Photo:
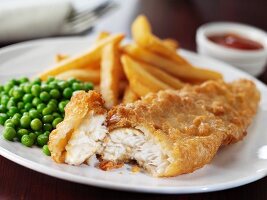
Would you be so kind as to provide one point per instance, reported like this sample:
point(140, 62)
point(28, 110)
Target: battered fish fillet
point(167, 133)
point(80, 135)
point(176, 132)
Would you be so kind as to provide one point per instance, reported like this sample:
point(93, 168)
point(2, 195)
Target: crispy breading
point(191, 124)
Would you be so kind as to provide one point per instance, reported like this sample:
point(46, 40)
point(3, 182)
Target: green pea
point(3, 109)
point(20, 105)
point(27, 98)
point(12, 111)
point(36, 101)
point(56, 115)
point(52, 106)
point(61, 106)
point(11, 103)
point(33, 136)
point(36, 90)
point(15, 121)
point(42, 140)
point(22, 132)
point(34, 114)
point(8, 121)
point(45, 87)
point(38, 133)
point(8, 87)
point(47, 127)
point(63, 84)
point(1, 88)
point(88, 86)
point(18, 115)
point(27, 87)
point(23, 80)
point(72, 80)
point(9, 133)
point(67, 93)
point(45, 96)
point(17, 93)
point(46, 151)
point(4, 100)
point(13, 82)
point(48, 118)
point(10, 124)
point(27, 140)
point(25, 121)
point(77, 86)
point(55, 93)
point(47, 133)
point(56, 122)
point(28, 106)
point(48, 110)
point(3, 118)
point(53, 101)
point(36, 124)
point(53, 85)
point(37, 81)
point(50, 79)
point(40, 107)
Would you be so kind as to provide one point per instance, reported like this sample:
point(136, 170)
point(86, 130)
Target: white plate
point(233, 166)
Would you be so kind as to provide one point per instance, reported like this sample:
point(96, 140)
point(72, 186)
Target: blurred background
point(28, 19)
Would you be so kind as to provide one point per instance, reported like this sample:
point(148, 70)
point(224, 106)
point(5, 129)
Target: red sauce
point(235, 41)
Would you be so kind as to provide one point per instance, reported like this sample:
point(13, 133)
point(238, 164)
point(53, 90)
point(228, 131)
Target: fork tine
point(95, 11)
point(85, 20)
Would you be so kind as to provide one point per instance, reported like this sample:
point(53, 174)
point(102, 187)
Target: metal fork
point(79, 22)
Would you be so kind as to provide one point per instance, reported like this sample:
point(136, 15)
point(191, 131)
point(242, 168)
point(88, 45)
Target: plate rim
point(120, 186)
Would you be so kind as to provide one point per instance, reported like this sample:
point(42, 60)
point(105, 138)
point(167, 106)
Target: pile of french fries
point(125, 73)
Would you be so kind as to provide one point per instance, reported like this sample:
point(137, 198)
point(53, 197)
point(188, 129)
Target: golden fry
point(185, 73)
point(141, 81)
point(102, 35)
point(59, 57)
point(129, 96)
point(110, 75)
point(85, 59)
point(87, 75)
point(171, 43)
point(142, 34)
point(163, 76)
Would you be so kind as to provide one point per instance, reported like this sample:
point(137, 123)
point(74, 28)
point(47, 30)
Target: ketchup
point(235, 41)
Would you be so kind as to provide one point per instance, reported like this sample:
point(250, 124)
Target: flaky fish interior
point(127, 144)
point(80, 135)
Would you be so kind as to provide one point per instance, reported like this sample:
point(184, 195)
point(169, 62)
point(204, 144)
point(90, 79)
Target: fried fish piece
point(79, 136)
point(175, 132)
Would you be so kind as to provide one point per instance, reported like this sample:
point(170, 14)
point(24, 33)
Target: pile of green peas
point(30, 110)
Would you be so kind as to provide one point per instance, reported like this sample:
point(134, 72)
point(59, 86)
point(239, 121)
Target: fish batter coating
point(175, 132)
point(79, 135)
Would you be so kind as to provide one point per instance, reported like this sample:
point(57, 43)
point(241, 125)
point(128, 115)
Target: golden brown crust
point(109, 165)
point(76, 110)
point(192, 123)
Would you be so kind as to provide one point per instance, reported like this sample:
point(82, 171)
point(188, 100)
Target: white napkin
point(20, 20)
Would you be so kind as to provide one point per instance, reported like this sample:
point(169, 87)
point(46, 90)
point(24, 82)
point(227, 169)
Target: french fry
point(85, 59)
point(129, 96)
point(102, 35)
point(141, 81)
point(171, 43)
point(87, 75)
point(163, 76)
point(110, 74)
point(59, 57)
point(184, 73)
point(142, 34)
